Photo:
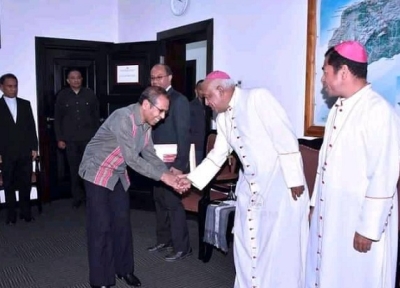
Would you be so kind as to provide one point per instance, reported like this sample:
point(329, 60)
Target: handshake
point(177, 181)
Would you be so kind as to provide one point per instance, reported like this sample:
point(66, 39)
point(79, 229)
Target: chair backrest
point(310, 165)
point(229, 170)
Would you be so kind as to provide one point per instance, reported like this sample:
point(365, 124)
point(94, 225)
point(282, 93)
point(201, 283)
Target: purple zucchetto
point(217, 75)
point(352, 50)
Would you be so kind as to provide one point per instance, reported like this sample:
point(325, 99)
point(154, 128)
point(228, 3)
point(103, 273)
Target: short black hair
point(336, 60)
point(151, 94)
point(7, 76)
point(199, 82)
point(73, 70)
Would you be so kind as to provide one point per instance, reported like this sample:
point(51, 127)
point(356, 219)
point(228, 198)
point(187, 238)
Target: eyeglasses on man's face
point(157, 78)
point(159, 110)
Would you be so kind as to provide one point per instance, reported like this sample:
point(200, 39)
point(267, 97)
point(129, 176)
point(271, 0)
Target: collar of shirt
point(73, 91)
point(9, 100)
point(349, 102)
point(138, 118)
point(169, 87)
point(234, 98)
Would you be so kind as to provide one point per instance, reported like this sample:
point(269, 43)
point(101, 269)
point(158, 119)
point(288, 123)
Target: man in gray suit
point(172, 230)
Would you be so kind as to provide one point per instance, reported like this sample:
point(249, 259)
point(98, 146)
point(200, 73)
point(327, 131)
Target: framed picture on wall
point(374, 25)
point(127, 74)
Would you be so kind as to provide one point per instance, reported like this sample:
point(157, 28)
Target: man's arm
point(210, 166)
point(33, 139)
point(58, 117)
point(382, 171)
point(279, 128)
point(181, 121)
point(128, 145)
point(96, 110)
point(149, 154)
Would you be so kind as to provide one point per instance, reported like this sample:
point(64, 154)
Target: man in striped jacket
point(123, 140)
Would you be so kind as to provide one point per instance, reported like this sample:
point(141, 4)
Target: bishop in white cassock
point(353, 237)
point(271, 226)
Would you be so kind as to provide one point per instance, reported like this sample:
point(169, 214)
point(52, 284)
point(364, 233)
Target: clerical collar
point(354, 98)
point(167, 89)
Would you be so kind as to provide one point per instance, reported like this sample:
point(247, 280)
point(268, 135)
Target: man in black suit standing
point(198, 123)
point(172, 230)
point(76, 120)
point(18, 145)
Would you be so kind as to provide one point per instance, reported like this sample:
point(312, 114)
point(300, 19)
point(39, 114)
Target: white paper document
point(167, 153)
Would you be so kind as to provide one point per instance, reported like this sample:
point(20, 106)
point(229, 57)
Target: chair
point(36, 191)
point(217, 189)
point(310, 165)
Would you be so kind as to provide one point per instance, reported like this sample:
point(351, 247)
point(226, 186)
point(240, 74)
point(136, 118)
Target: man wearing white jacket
point(270, 229)
point(353, 236)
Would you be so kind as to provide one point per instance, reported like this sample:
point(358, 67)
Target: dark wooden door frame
point(193, 32)
point(198, 31)
point(42, 45)
point(190, 83)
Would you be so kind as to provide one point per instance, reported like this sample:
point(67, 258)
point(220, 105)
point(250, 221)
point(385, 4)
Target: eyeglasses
point(158, 78)
point(159, 110)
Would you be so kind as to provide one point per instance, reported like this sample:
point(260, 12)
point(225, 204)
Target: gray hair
point(228, 83)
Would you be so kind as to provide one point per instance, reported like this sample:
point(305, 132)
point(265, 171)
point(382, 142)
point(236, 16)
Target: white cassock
point(271, 229)
point(355, 191)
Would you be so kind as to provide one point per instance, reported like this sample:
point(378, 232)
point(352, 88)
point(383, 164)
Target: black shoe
point(100, 286)
point(11, 218)
point(27, 219)
point(160, 247)
point(11, 222)
point(130, 279)
point(175, 256)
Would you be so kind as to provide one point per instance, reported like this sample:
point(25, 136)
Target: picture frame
point(127, 74)
point(370, 23)
point(310, 128)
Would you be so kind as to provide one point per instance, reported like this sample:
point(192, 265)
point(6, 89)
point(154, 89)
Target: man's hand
point(175, 171)
point(61, 145)
point(361, 243)
point(297, 192)
point(184, 183)
point(170, 180)
point(34, 154)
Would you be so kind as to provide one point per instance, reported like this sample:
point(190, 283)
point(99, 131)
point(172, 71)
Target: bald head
point(217, 93)
point(161, 75)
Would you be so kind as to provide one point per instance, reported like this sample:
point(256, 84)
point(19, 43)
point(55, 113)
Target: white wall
point(261, 42)
point(22, 20)
point(198, 51)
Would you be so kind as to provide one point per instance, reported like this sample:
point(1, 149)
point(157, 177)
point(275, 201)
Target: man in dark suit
point(198, 123)
point(172, 230)
point(76, 120)
point(18, 145)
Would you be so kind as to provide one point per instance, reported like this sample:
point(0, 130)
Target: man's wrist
point(163, 176)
